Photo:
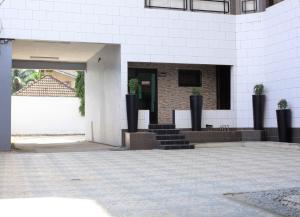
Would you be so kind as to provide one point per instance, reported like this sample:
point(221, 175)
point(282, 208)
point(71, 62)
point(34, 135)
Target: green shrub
point(196, 91)
point(80, 89)
point(282, 104)
point(259, 89)
point(133, 85)
point(22, 77)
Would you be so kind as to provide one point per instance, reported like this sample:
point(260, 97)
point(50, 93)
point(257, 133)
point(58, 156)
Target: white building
point(113, 40)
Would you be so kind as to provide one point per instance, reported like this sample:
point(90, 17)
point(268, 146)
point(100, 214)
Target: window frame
point(184, 6)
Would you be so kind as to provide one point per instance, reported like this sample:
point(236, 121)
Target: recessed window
point(189, 78)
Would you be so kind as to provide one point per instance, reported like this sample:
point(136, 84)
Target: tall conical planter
point(258, 103)
point(284, 125)
point(132, 112)
point(196, 103)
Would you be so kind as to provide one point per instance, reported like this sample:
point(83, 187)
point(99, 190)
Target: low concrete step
point(161, 126)
point(170, 137)
point(174, 142)
point(170, 147)
point(164, 131)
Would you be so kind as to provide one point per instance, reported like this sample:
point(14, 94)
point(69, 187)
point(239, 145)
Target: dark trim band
point(30, 64)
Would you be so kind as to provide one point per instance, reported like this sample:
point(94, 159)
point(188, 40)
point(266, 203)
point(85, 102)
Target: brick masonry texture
point(171, 96)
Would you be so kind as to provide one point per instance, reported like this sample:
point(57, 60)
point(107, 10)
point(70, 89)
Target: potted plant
point(196, 103)
point(258, 103)
point(283, 121)
point(132, 106)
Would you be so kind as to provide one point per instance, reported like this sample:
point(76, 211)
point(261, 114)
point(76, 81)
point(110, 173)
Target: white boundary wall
point(46, 116)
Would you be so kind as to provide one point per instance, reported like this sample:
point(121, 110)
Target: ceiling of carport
point(54, 51)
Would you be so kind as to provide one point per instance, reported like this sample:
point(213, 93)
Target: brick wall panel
point(171, 96)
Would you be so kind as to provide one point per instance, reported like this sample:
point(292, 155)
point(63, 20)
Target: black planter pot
point(196, 112)
point(258, 103)
point(284, 125)
point(132, 112)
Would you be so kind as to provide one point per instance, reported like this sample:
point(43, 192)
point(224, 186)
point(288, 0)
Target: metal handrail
point(226, 4)
point(149, 5)
point(244, 6)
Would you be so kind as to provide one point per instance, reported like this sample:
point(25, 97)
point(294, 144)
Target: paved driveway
point(145, 183)
point(53, 144)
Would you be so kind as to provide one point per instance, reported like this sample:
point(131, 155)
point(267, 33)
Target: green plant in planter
point(196, 91)
point(282, 104)
point(259, 89)
point(133, 85)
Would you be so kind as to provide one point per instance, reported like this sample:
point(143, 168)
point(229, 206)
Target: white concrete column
point(5, 94)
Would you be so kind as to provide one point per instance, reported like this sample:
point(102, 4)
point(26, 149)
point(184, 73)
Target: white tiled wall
point(152, 34)
point(145, 35)
point(268, 52)
point(282, 59)
point(217, 118)
point(102, 97)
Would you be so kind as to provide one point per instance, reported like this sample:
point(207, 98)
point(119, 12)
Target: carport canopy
point(32, 54)
point(52, 55)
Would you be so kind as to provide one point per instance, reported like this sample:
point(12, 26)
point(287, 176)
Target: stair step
point(164, 131)
point(170, 137)
point(174, 142)
point(170, 147)
point(161, 126)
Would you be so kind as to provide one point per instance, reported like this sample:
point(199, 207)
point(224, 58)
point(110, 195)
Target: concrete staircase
point(168, 137)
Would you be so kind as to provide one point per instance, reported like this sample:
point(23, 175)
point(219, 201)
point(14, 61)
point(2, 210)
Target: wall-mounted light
point(44, 57)
point(162, 74)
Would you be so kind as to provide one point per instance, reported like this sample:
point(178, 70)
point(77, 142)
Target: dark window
point(189, 78)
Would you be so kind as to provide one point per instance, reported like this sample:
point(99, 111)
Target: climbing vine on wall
point(79, 87)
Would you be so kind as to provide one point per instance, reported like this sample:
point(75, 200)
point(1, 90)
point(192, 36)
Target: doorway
point(223, 77)
point(147, 91)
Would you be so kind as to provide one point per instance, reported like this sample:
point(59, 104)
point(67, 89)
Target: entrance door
point(223, 87)
point(147, 91)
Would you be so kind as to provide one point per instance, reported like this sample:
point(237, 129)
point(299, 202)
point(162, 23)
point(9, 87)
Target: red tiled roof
point(47, 86)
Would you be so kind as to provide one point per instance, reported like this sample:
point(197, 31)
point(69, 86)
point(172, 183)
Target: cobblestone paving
point(147, 183)
point(282, 201)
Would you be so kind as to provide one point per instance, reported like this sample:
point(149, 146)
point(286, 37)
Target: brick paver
point(146, 183)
